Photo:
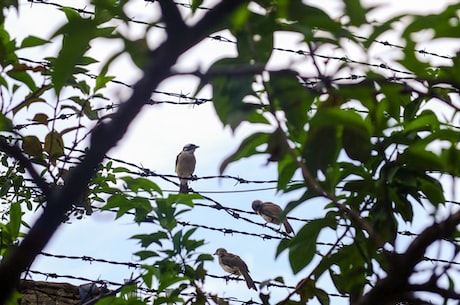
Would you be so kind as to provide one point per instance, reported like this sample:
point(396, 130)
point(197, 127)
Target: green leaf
point(33, 41)
point(247, 148)
point(321, 148)
point(32, 146)
point(15, 220)
point(286, 169)
point(77, 34)
point(86, 60)
point(41, 118)
point(444, 24)
point(352, 275)
point(419, 158)
point(195, 5)
point(357, 143)
point(85, 106)
point(356, 12)
point(121, 169)
point(426, 121)
point(381, 28)
point(147, 239)
point(119, 202)
point(145, 254)
point(5, 123)
point(254, 35)
point(138, 50)
point(204, 257)
point(323, 139)
point(7, 45)
point(432, 189)
point(286, 93)
point(322, 296)
point(186, 199)
point(101, 81)
point(23, 77)
point(306, 291)
point(382, 217)
point(54, 146)
point(141, 183)
point(307, 19)
point(302, 247)
point(229, 91)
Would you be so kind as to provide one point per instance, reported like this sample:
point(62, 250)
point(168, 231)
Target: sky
point(159, 133)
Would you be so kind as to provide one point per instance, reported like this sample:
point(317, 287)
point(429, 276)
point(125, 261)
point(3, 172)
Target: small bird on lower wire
point(233, 264)
point(185, 166)
point(271, 213)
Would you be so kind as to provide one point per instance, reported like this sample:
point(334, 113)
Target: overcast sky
point(159, 133)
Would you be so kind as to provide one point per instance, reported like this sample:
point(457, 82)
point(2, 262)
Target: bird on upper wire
point(271, 213)
point(233, 264)
point(185, 166)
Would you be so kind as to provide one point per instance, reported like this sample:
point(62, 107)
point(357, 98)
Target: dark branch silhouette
point(103, 138)
point(396, 283)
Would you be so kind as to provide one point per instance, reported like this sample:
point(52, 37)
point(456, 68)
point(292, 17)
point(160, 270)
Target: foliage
point(369, 146)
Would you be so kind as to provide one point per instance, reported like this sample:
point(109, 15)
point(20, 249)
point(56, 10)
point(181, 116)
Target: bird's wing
point(271, 209)
point(271, 212)
point(177, 161)
point(288, 226)
point(234, 262)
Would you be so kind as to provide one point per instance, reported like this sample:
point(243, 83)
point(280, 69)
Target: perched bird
point(185, 165)
point(271, 213)
point(233, 264)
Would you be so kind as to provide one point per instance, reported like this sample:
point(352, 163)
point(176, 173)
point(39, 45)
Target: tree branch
point(103, 138)
point(175, 26)
point(402, 265)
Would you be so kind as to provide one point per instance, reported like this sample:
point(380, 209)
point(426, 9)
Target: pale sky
point(158, 134)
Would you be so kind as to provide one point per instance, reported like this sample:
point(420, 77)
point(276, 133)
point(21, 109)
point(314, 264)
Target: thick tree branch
point(402, 266)
point(175, 26)
point(103, 138)
point(434, 288)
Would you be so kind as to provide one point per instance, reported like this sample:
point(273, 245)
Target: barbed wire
point(233, 212)
point(267, 283)
point(189, 6)
point(53, 275)
point(197, 101)
point(420, 51)
point(90, 260)
point(150, 292)
point(345, 59)
point(72, 277)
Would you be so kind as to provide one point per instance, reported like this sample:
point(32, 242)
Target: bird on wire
point(233, 264)
point(271, 213)
point(185, 166)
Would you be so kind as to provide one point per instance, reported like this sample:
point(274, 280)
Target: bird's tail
point(288, 227)
point(183, 188)
point(249, 281)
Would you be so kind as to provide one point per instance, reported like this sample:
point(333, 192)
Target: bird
point(185, 166)
point(233, 264)
point(271, 213)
